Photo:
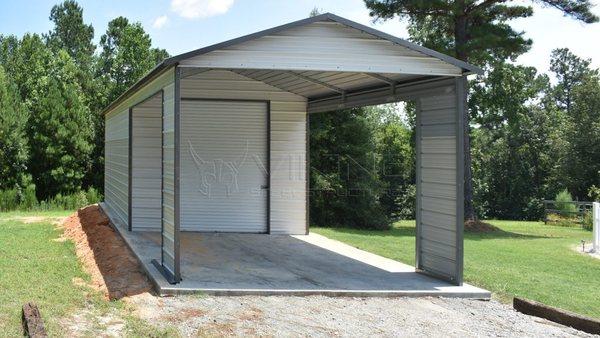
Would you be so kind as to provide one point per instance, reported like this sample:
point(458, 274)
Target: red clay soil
point(114, 269)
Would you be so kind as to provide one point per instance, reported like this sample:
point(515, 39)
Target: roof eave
point(174, 60)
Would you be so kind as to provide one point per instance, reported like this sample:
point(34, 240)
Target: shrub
point(13, 199)
point(9, 199)
point(563, 205)
point(587, 222)
point(594, 193)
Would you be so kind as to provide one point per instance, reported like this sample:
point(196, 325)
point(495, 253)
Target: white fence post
point(596, 216)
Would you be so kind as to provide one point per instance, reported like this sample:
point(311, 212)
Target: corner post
point(177, 160)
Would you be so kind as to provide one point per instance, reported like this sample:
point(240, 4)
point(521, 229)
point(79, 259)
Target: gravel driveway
point(324, 316)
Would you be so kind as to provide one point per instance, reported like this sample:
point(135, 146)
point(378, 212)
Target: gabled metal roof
point(173, 61)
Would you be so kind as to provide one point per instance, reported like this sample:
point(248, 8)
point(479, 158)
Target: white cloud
point(160, 21)
point(192, 9)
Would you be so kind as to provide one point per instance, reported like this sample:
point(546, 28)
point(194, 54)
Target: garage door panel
point(223, 166)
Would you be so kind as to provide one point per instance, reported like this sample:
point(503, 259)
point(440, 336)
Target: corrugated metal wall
point(116, 163)
point(224, 166)
point(439, 191)
point(288, 143)
point(168, 190)
point(146, 164)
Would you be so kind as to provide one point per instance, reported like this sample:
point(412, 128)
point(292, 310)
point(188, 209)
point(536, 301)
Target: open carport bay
point(258, 264)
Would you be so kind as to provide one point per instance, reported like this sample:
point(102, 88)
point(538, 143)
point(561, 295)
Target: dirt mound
point(479, 226)
point(114, 269)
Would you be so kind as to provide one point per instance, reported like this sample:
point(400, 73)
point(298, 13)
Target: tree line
point(53, 87)
point(530, 137)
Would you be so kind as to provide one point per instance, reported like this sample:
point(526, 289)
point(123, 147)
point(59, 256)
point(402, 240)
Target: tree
point(516, 144)
point(395, 148)
point(71, 33)
point(473, 31)
point(582, 162)
point(61, 132)
point(126, 56)
point(14, 149)
point(344, 177)
point(59, 128)
point(570, 71)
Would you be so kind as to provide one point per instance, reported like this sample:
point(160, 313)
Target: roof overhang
point(174, 61)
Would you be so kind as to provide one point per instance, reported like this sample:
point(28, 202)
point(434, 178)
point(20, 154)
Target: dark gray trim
point(222, 100)
point(162, 174)
point(461, 97)
point(418, 170)
point(165, 64)
point(165, 272)
point(177, 190)
point(157, 71)
point(268, 164)
point(130, 172)
point(269, 167)
point(307, 174)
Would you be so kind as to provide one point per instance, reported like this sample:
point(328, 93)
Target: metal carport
point(318, 64)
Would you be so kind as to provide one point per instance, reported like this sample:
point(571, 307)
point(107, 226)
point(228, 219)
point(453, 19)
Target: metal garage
point(215, 140)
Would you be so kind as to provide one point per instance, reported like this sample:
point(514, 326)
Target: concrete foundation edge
point(172, 291)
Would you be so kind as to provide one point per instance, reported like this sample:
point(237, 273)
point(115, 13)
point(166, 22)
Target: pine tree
point(14, 149)
point(61, 132)
point(475, 31)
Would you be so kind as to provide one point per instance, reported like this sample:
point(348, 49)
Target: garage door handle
point(264, 186)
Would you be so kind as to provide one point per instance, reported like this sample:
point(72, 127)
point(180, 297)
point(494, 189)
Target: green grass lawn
point(36, 266)
point(525, 259)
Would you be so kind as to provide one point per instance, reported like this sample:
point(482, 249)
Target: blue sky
point(183, 25)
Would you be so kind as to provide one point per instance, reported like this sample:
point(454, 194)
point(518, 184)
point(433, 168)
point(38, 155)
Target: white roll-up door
point(224, 178)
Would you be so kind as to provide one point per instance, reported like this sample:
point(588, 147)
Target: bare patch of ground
point(113, 268)
point(38, 219)
point(589, 250)
point(117, 274)
point(325, 316)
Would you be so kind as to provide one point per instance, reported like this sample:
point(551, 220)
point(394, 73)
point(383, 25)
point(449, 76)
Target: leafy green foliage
point(71, 34)
point(126, 56)
point(582, 160)
point(14, 146)
point(26, 200)
point(395, 147)
point(52, 93)
point(345, 185)
point(474, 31)
point(514, 145)
point(563, 202)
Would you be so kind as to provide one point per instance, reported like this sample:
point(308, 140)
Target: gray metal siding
point(224, 165)
point(116, 163)
point(324, 46)
point(439, 232)
point(168, 192)
point(146, 164)
point(287, 140)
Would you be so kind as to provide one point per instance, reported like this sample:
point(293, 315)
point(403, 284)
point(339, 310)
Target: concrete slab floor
point(258, 264)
